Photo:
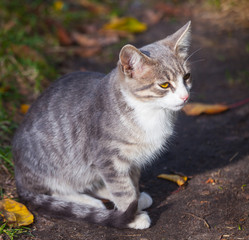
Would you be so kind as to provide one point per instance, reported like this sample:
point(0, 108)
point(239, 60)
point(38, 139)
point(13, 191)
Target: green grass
point(25, 65)
point(13, 233)
point(215, 3)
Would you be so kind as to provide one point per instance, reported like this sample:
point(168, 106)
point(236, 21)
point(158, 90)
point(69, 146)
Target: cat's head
point(158, 73)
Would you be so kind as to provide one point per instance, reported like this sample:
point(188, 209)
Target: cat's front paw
point(144, 201)
point(142, 221)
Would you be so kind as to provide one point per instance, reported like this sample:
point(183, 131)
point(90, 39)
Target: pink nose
point(185, 98)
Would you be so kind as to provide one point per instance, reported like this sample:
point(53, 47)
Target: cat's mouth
point(178, 106)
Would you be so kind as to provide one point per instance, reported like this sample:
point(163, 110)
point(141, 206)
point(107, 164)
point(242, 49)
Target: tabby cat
point(88, 135)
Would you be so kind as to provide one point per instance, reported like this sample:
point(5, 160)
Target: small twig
point(5, 169)
point(240, 103)
point(234, 156)
point(202, 219)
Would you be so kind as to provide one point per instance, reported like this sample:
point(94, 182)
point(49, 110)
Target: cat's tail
point(56, 207)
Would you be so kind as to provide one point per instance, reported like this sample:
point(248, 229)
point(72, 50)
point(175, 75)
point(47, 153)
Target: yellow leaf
point(4, 89)
point(126, 24)
point(15, 213)
point(58, 5)
point(24, 108)
point(194, 109)
point(179, 180)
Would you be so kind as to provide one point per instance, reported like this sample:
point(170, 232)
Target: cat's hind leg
point(144, 201)
point(82, 199)
point(103, 193)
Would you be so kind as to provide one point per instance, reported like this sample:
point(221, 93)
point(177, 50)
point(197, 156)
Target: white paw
point(144, 201)
point(142, 221)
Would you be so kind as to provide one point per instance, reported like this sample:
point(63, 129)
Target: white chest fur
point(156, 125)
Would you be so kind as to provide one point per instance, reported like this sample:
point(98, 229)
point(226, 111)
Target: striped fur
point(88, 135)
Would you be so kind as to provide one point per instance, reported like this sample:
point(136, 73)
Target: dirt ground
point(214, 148)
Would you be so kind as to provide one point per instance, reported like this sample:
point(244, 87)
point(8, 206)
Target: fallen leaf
point(94, 7)
point(194, 109)
point(204, 202)
point(90, 28)
point(151, 17)
point(15, 213)
point(85, 40)
point(58, 5)
point(126, 24)
point(210, 180)
point(24, 108)
point(107, 39)
point(63, 36)
point(4, 89)
point(118, 33)
point(10, 24)
point(87, 51)
point(179, 180)
point(168, 9)
point(95, 40)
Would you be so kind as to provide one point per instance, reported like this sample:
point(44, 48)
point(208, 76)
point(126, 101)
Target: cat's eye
point(186, 76)
point(164, 85)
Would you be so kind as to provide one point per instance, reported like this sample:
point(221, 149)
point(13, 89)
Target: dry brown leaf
point(168, 9)
point(63, 36)
point(179, 180)
point(89, 28)
point(96, 40)
point(87, 51)
point(94, 7)
point(194, 109)
point(15, 213)
point(10, 24)
point(151, 17)
point(85, 40)
point(107, 39)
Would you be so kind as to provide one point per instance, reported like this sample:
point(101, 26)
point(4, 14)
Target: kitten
point(88, 135)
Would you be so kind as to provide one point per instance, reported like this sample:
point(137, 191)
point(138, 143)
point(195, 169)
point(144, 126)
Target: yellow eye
point(164, 85)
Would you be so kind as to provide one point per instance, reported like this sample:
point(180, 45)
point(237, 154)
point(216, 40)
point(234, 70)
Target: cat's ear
point(134, 63)
point(180, 40)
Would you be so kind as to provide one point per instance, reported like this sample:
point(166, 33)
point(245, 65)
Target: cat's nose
point(185, 97)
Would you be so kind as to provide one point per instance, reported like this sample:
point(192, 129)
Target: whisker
point(198, 60)
point(192, 54)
